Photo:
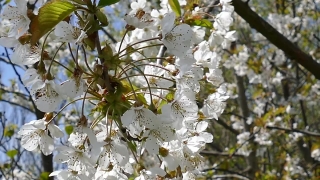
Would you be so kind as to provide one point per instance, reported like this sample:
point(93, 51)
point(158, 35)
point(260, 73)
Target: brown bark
point(245, 112)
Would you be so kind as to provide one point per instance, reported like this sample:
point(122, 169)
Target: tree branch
point(24, 96)
point(216, 153)
point(276, 38)
point(225, 125)
point(287, 130)
point(233, 173)
point(245, 112)
point(16, 104)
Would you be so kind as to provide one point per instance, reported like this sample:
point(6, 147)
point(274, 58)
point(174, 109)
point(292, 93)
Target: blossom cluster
point(145, 121)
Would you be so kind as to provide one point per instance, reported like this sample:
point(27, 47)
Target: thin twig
point(216, 153)
point(287, 130)
point(16, 104)
point(225, 125)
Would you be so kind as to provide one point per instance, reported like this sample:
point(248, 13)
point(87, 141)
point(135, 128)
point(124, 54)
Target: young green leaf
point(68, 129)
point(9, 130)
point(102, 18)
point(12, 153)
point(175, 6)
point(49, 16)
point(200, 22)
point(44, 176)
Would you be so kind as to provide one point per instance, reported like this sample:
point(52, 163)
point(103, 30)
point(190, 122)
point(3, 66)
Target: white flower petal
point(72, 89)
point(167, 23)
point(55, 173)
point(30, 142)
point(55, 131)
point(151, 145)
point(60, 158)
point(201, 126)
point(46, 144)
point(156, 171)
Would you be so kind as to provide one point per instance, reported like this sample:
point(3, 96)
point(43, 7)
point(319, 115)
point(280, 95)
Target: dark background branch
point(287, 130)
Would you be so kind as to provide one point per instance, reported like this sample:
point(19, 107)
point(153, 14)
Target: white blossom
point(35, 134)
point(17, 15)
point(65, 32)
point(176, 38)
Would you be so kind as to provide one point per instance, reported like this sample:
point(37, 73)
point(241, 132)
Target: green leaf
point(12, 153)
point(68, 129)
point(128, 89)
point(90, 43)
point(162, 103)
point(7, 2)
point(200, 22)
point(142, 99)
point(103, 3)
point(175, 6)
point(9, 130)
point(232, 150)
point(44, 176)
point(49, 16)
point(102, 18)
